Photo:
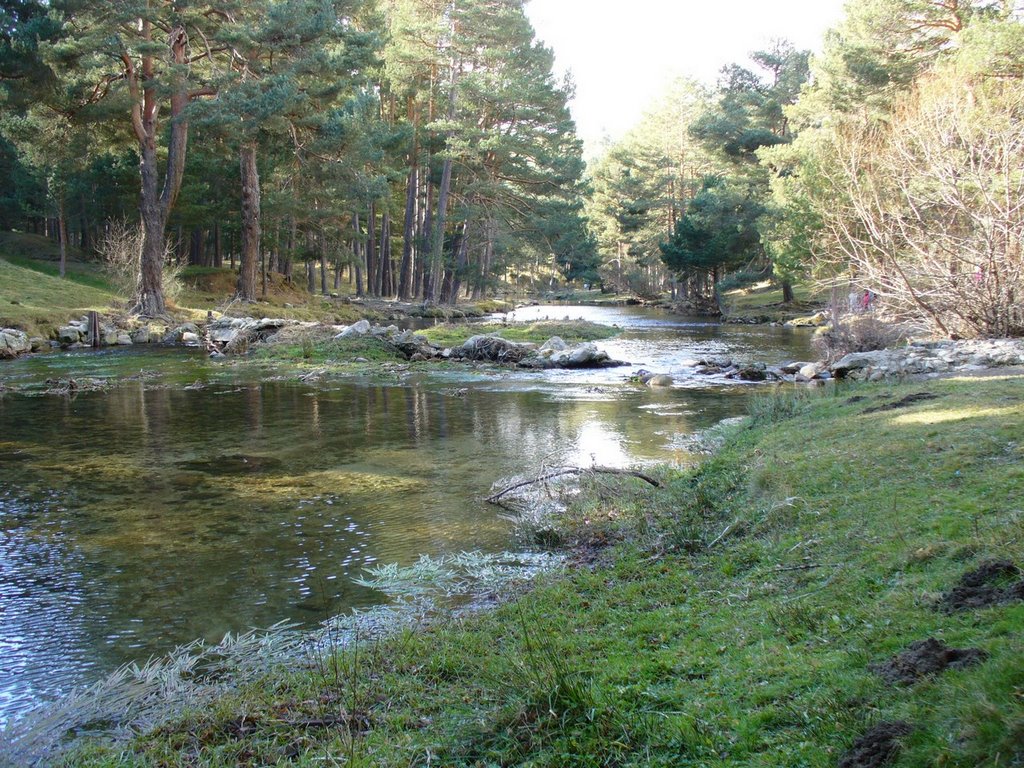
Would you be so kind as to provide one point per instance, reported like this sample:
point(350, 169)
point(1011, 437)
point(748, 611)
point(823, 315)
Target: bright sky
point(623, 53)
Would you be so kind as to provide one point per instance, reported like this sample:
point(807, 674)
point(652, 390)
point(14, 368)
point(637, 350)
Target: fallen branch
point(495, 498)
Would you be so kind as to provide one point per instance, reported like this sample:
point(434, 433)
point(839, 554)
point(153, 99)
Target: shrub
point(120, 249)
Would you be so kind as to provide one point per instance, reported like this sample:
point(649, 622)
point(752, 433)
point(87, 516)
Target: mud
point(991, 583)
point(878, 747)
point(925, 658)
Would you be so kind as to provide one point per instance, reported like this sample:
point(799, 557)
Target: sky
point(622, 54)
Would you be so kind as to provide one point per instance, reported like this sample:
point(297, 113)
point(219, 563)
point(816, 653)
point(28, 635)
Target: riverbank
point(752, 611)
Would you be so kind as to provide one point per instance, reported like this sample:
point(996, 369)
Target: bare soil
point(925, 658)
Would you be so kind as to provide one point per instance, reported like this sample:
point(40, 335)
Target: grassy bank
point(35, 299)
point(730, 618)
point(762, 302)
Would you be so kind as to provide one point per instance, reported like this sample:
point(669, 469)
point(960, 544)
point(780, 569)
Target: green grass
point(33, 299)
point(450, 335)
point(763, 301)
point(726, 619)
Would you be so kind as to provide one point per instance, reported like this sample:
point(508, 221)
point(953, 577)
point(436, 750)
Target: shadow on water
point(144, 516)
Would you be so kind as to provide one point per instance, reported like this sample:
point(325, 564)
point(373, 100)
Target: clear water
point(141, 517)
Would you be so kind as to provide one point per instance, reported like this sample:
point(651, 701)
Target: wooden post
point(94, 328)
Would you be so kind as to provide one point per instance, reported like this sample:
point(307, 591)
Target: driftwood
point(561, 472)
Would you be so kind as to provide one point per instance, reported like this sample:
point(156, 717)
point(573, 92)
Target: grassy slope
point(726, 620)
point(764, 302)
point(33, 298)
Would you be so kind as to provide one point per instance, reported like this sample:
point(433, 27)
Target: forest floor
point(840, 584)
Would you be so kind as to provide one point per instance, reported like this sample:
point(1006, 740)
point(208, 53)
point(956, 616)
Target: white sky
point(623, 53)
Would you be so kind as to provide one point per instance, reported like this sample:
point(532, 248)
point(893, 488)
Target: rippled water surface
point(143, 516)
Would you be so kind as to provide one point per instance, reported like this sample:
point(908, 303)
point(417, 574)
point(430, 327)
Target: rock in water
point(13, 343)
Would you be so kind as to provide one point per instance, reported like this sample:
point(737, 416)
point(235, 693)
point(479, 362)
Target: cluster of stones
point(554, 353)
point(755, 372)
point(929, 358)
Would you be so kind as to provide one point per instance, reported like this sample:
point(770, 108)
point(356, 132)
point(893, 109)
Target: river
point(140, 517)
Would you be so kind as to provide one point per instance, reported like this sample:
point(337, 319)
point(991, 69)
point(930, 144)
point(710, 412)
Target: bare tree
point(931, 217)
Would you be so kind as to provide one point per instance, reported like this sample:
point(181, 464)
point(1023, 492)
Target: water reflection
point(143, 517)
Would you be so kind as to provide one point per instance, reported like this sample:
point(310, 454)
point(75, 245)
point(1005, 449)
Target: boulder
point(410, 345)
point(554, 344)
point(13, 343)
point(39, 344)
point(749, 373)
point(660, 380)
point(124, 339)
point(360, 328)
point(809, 371)
point(69, 334)
point(141, 335)
point(857, 361)
point(190, 339)
point(817, 320)
point(176, 335)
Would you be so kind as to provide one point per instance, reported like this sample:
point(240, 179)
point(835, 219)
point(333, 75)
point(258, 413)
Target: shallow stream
point(195, 499)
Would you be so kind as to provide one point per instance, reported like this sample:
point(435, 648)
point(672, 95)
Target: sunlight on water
point(144, 516)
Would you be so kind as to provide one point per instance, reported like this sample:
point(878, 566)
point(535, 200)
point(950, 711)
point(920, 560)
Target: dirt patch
point(856, 399)
point(926, 657)
point(906, 402)
point(991, 583)
point(877, 747)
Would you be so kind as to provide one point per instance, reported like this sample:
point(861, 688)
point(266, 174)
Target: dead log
point(563, 471)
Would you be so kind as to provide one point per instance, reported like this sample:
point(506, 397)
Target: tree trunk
point(250, 223)
point(357, 253)
point(387, 277)
point(461, 263)
point(155, 203)
point(405, 272)
point(62, 231)
point(195, 247)
point(149, 296)
point(370, 253)
point(440, 220)
point(218, 253)
point(787, 292)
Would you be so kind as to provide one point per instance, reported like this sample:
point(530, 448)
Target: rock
point(190, 339)
point(176, 336)
point(360, 328)
point(856, 361)
point(554, 344)
point(13, 343)
point(69, 334)
point(817, 320)
point(410, 344)
point(749, 373)
point(809, 371)
point(660, 380)
point(39, 344)
point(124, 339)
point(142, 335)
